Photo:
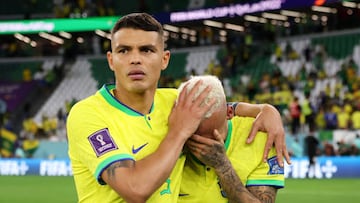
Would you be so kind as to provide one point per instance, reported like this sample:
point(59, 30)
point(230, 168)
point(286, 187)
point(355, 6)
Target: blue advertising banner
point(21, 167)
point(326, 167)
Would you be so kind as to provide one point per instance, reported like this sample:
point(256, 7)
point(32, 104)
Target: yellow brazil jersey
point(102, 130)
point(200, 183)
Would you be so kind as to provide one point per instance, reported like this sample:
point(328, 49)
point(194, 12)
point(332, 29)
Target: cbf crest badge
point(274, 166)
point(102, 142)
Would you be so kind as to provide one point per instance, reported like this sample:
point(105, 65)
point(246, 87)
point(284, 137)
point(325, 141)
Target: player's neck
point(140, 102)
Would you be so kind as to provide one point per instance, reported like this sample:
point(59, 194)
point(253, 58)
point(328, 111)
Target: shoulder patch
point(274, 167)
point(102, 142)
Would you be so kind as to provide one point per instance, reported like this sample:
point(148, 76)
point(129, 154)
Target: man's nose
point(135, 57)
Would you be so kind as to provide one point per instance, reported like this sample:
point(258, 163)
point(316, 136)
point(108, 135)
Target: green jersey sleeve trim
point(104, 164)
point(274, 183)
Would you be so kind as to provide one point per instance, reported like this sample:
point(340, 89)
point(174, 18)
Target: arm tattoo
point(214, 156)
point(231, 184)
point(266, 194)
point(111, 169)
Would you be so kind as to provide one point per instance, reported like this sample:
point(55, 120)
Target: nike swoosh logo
point(136, 150)
point(181, 195)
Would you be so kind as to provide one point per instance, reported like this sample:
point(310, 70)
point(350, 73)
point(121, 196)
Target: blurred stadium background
point(52, 54)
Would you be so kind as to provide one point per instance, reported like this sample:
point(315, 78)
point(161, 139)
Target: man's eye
point(123, 51)
point(147, 50)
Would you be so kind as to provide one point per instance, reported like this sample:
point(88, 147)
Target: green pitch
point(39, 189)
point(320, 190)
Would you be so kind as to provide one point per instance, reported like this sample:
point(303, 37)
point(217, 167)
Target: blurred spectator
point(328, 149)
point(320, 119)
point(61, 125)
point(49, 126)
point(354, 151)
point(25, 148)
point(39, 76)
point(264, 82)
point(319, 57)
point(308, 53)
point(69, 104)
point(19, 151)
point(311, 145)
point(282, 97)
point(295, 112)
point(29, 147)
point(343, 118)
point(29, 128)
point(344, 149)
point(50, 78)
point(331, 121)
point(27, 75)
point(290, 52)
point(7, 143)
point(278, 53)
point(355, 118)
point(308, 110)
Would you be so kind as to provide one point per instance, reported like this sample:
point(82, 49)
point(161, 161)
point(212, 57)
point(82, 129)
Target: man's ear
point(230, 112)
point(165, 60)
point(110, 60)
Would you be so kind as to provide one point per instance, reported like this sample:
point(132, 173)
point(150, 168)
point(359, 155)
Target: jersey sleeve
point(91, 142)
point(267, 173)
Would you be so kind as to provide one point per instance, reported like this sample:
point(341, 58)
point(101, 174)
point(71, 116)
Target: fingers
point(252, 134)
point(268, 145)
point(218, 137)
point(200, 139)
point(188, 98)
point(280, 158)
point(189, 110)
point(182, 95)
point(281, 151)
point(255, 128)
point(196, 144)
point(196, 97)
point(200, 101)
point(191, 145)
point(287, 156)
point(200, 98)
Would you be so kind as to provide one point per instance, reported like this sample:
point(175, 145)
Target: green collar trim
point(229, 133)
point(105, 92)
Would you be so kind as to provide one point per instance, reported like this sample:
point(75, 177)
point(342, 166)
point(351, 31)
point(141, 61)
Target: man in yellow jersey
point(221, 166)
point(126, 140)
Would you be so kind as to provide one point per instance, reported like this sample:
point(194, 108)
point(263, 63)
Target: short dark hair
point(141, 21)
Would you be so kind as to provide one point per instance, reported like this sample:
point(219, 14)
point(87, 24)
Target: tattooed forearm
point(214, 156)
point(266, 194)
point(111, 169)
point(231, 184)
